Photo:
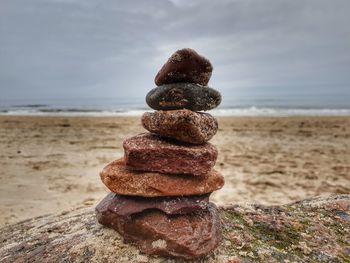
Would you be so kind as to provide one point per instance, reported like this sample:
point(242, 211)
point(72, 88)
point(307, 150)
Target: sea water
point(289, 105)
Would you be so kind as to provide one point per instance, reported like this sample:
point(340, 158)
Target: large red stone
point(185, 65)
point(128, 205)
point(151, 152)
point(187, 236)
point(121, 180)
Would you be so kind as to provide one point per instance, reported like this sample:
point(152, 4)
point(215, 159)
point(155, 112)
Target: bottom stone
point(187, 236)
point(127, 205)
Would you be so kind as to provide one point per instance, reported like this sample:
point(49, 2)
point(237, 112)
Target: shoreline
point(51, 164)
point(246, 111)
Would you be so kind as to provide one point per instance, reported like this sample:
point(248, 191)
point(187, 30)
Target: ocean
point(291, 105)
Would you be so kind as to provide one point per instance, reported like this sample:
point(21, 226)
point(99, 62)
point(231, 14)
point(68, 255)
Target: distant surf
point(46, 110)
point(297, 105)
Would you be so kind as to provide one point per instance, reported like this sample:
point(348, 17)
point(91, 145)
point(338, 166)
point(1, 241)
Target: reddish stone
point(183, 125)
point(127, 205)
point(121, 180)
point(151, 152)
point(185, 65)
point(187, 236)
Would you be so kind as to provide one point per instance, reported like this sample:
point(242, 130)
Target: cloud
point(86, 49)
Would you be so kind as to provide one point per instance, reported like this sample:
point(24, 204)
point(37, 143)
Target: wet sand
point(50, 164)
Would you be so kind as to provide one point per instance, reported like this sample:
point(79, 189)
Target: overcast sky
point(59, 49)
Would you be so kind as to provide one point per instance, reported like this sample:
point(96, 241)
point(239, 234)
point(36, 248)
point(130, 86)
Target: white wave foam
point(76, 112)
point(249, 111)
point(280, 112)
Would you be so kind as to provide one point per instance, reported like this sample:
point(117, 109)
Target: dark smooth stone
point(185, 65)
point(186, 236)
point(121, 180)
point(153, 153)
point(127, 205)
point(182, 125)
point(183, 96)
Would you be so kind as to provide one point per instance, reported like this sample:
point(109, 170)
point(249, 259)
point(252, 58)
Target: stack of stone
point(160, 189)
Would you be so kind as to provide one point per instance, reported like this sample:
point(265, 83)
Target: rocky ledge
point(313, 230)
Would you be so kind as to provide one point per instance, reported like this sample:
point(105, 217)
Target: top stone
point(185, 65)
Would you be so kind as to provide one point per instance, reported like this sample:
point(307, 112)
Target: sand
point(51, 164)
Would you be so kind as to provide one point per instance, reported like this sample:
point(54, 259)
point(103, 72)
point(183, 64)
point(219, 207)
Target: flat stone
point(153, 153)
point(187, 236)
point(183, 125)
point(128, 205)
point(183, 96)
point(185, 65)
point(124, 181)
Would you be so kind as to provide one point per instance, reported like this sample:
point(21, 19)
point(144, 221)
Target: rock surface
point(153, 153)
point(183, 125)
point(155, 233)
point(121, 180)
point(314, 230)
point(183, 96)
point(127, 205)
point(185, 65)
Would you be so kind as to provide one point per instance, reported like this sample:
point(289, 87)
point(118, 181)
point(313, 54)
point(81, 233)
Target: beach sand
point(51, 164)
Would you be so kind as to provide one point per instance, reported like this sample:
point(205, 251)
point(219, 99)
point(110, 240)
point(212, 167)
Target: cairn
point(161, 188)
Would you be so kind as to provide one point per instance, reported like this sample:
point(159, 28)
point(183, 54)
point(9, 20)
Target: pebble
point(183, 96)
point(128, 205)
point(185, 65)
point(153, 153)
point(121, 180)
point(187, 236)
point(182, 125)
